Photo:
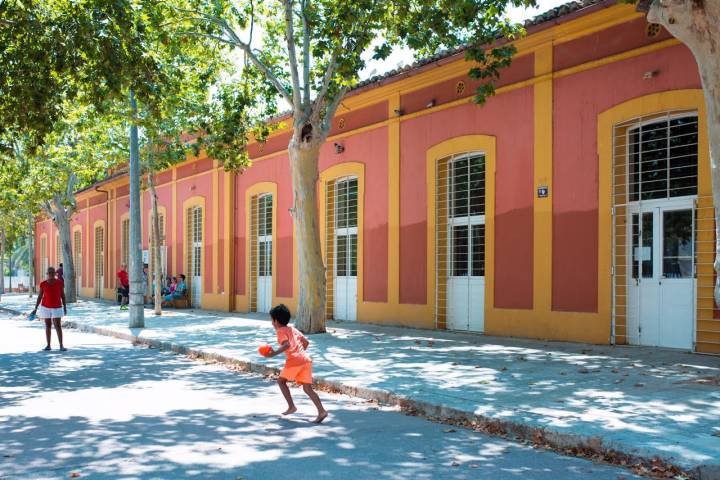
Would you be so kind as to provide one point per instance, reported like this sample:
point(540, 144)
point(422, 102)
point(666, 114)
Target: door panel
point(678, 282)
point(345, 249)
point(661, 302)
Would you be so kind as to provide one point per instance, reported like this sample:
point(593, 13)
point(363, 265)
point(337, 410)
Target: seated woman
point(165, 288)
point(179, 291)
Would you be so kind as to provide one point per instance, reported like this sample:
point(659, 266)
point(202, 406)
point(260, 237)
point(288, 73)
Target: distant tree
point(306, 55)
point(78, 152)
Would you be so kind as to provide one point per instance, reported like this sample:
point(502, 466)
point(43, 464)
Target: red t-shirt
point(123, 276)
point(52, 293)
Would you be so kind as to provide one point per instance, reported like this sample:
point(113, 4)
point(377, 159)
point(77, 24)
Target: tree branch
point(292, 57)
point(306, 54)
point(327, 78)
point(330, 110)
point(235, 40)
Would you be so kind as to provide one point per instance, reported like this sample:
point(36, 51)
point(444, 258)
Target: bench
point(182, 302)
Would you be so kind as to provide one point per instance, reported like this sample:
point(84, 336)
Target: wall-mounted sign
point(543, 191)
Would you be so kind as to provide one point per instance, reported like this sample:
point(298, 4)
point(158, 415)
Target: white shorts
point(45, 312)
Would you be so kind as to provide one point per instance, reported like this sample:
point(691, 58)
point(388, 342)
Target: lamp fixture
point(399, 112)
point(430, 104)
point(650, 74)
point(339, 148)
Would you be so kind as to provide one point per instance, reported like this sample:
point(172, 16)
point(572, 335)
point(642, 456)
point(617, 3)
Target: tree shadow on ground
point(116, 411)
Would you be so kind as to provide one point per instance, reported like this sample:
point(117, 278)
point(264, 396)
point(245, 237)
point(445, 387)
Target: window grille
point(194, 230)
point(58, 251)
point(43, 257)
point(77, 258)
point(460, 241)
point(663, 233)
point(99, 261)
point(261, 244)
point(125, 242)
point(341, 247)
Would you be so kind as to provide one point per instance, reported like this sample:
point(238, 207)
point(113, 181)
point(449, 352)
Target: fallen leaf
point(615, 370)
point(74, 475)
point(639, 384)
point(584, 370)
point(449, 430)
point(503, 369)
point(454, 464)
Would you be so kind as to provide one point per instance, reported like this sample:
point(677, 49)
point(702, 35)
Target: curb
point(592, 447)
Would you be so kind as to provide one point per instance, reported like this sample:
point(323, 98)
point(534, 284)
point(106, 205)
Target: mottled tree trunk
point(304, 158)
point(31, 254)
point(157, 261)
point(61, 210)
point(696, 23)
point(62, 221)
point(2, 263)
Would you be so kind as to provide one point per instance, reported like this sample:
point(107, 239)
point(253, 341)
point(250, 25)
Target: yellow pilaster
point(393, 201)
point(228, 235)
point(173, 260)
point(543, 174)
point(215, 227)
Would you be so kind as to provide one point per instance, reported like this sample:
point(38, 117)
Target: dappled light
point(107, 409)
point(630, 396)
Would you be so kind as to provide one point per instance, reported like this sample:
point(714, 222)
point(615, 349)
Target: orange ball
point(264, 350)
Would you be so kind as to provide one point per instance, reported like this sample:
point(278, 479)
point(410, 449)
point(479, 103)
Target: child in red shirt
point(298, 364)
point(51, 300)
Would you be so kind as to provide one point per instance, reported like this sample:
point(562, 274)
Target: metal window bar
point(460, 233)
point(58, 251)
point(655, 172)
point(260, 290)
point(125, 243)
point(43, 256)
point(197, 222)
point(77, 259)
point(99, 261)
point(341, 247)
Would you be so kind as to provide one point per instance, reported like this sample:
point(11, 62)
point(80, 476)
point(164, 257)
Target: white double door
point(345, 281)
point(196, 285)
point(661, 263)
point(264, 269)
point(466, 279)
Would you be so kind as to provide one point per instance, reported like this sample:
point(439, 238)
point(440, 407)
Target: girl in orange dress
point(298, 364)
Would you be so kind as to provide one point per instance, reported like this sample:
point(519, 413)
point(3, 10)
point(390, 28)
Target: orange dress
point(298, 364)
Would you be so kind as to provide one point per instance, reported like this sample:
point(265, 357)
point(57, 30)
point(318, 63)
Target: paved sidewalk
point(641, 401)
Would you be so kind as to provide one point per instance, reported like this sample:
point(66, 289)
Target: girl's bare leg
point(58, 329)
point(48, 332)
point(288, 397)
point(322, 413)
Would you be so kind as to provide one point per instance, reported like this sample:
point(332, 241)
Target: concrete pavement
point(106, 409)
point(638, 401)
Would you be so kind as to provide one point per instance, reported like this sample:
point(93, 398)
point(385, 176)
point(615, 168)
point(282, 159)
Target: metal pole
point(136, 310)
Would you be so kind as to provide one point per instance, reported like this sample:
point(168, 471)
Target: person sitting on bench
point(180, 291)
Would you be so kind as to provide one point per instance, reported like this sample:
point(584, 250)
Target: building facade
point(574, 205)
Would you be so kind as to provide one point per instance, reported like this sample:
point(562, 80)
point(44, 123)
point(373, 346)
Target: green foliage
point(308, 54)
point(56, 52)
